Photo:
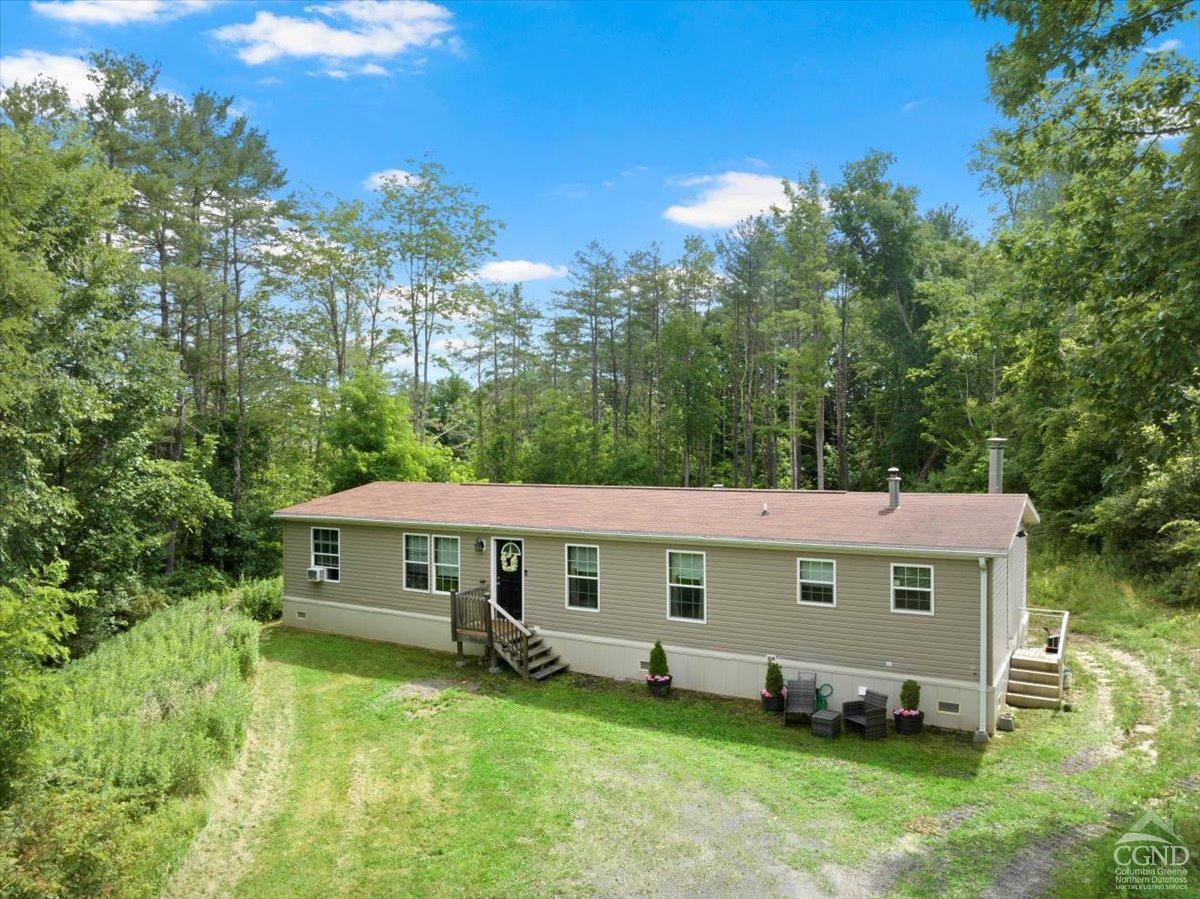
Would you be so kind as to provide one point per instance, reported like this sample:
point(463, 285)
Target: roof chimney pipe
point(893, 488)
point(996, 464)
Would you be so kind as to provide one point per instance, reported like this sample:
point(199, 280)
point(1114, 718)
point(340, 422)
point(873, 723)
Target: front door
point(510, 574)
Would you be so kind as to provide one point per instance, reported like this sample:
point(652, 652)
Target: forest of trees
point(189, 343)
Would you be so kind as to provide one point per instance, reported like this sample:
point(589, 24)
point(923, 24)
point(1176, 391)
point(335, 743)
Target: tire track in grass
point(1033, 870)
point(241, 804)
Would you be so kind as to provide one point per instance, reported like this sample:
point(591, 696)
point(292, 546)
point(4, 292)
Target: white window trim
point(404, 562)
point(704, 571)
point(433, 563)
point(567, 576)
point(892, 588)
point(312, 553)
point(800, 583)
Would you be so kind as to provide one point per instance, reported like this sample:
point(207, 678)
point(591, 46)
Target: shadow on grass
point(699, 717)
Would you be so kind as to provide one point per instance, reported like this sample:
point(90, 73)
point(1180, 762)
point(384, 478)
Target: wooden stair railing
point(474, 615)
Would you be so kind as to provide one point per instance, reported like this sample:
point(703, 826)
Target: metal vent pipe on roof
point(893, 488)
point(996, 464)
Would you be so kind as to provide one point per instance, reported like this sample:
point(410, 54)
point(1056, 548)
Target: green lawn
point(386, 770)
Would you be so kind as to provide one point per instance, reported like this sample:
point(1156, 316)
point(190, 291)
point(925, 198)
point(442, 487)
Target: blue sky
point(626, 123)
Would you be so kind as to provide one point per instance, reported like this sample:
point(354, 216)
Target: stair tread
point(1028, 700)
point(1029, 689)
point(543, 673)
point(543, 660)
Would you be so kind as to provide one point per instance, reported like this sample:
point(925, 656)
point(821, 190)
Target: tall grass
point(1141, 617)
point(144, 722)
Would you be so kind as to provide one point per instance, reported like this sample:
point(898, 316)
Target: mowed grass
point(408, 776)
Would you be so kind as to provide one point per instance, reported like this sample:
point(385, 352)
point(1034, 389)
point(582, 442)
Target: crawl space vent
point(949, 708)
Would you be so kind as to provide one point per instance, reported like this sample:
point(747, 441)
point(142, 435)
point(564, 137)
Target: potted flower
point(658, 678)
point(908, 717)
point(773, 694)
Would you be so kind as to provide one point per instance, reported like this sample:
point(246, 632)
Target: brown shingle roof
point(955, 522)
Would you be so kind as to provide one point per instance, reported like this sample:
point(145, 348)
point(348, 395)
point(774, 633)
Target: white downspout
point(981, 733)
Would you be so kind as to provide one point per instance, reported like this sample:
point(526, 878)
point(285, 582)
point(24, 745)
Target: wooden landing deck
point(1035, 676)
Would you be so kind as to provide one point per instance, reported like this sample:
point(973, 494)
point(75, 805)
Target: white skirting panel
point(388, 625)
point(725, 674)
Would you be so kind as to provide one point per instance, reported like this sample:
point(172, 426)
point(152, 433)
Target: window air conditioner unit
point(316, 573)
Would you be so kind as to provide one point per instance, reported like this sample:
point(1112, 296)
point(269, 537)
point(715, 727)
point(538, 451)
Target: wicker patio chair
point(801, 698)
point(869, 713)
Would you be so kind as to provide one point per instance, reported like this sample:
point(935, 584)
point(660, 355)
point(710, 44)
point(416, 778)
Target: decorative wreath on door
point(510, 557)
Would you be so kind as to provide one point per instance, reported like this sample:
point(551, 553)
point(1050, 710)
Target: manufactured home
point(866, 589)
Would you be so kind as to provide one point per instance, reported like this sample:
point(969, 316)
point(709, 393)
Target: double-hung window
point(326, 552)
point(583, 577)
point(685, 586)
point(912, 589)
point(816, 582)
point(445, 564)
point(416, 562)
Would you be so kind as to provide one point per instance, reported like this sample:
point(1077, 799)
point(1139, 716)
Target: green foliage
point(84, 388)
point(34, 622)
point(262, 600)
point(66, 840)
point(191, 578)
point(658, 660)
point(370, 438)
point(157, 707)
point(910, 695)
point(774, 679)
point(145, 720)
point(689, 382)
point(565, 446)
point(1155, 524)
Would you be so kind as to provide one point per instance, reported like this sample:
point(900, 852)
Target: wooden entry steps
point(1035, 676)
point(475, 618)
point(541, 660)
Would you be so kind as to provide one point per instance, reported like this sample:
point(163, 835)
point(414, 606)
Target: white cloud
point(1165, 47)
point(117, 12)
point(756, 162)
point(571, 191)
point(373, 68)
point(347, 30)
point(510, 271)
point(727, 199)
point(376, 180)
point(911, 105)
point(689, 180)
point(27, 66)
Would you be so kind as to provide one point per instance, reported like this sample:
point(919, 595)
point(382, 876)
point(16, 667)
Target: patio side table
point(826, 723)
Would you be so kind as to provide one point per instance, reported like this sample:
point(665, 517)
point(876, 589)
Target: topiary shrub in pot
point(658, 678)
point(773, 695)
point(908, 717)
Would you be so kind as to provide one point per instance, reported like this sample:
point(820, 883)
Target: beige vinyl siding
point(751, 607)
point(373, 568)
point(750, 598)
point(1016, 586)
point(998, 645)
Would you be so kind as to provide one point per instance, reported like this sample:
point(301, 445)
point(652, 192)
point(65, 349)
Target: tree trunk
point(841, 390)
point(820, 440)
point(793, 442)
